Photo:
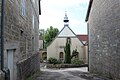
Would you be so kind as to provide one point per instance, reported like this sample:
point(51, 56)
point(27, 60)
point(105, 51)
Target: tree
point(67, 51)
point(42, 33)
point(51, 34)
point(48, 35)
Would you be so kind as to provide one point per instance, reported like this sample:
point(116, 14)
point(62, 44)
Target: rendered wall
point(54, 49)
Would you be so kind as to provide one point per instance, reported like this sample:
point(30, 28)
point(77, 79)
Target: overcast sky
point(53, 12)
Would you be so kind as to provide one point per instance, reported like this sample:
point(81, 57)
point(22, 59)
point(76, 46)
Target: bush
point(53, 61)
point(77, 61)
point(59, 62)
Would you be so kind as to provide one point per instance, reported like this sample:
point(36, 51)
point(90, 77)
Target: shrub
point(77, 61)
point(53, 61)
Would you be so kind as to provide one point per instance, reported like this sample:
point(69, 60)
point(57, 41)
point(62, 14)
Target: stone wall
point(19, 27)
point(104, 38)
point(18, 32)
point(28, 67)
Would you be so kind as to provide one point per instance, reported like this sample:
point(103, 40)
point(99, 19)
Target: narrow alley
point(68, 74)
point(59, 39)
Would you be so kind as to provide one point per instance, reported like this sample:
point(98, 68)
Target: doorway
point(10, 62)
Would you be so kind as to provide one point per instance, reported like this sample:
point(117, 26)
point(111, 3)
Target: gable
point(66, 32)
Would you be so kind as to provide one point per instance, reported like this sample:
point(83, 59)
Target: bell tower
point(66, 19)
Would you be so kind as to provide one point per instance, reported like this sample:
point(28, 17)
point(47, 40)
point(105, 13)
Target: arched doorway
point(44, 56)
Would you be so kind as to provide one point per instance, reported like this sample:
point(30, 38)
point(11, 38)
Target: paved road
point(67, 74)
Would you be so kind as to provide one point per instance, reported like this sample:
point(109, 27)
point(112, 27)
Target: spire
point(66, 18)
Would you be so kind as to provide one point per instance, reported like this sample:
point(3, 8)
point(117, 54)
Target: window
point(32, 43)
point(61, 56)
point(21, 32)
point(33, 21)
point(22, 10)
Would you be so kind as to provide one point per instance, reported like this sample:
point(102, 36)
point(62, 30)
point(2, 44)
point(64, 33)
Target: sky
point(53, 12)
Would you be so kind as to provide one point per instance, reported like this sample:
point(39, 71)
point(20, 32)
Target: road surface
point(68, 74)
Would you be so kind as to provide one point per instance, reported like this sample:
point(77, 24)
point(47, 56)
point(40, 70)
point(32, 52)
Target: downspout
point(2, 36)
point(88, 47)
point(86, 20)
point(5, 71)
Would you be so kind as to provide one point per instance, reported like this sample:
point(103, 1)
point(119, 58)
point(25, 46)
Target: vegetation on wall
point(74, 53)
point(67, 51)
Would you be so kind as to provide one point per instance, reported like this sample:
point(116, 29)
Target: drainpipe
point(88, 47)
point(2, 37)
point(5, 71)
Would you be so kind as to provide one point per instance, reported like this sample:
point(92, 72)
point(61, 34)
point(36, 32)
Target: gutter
point(39, 7)
point(88, 11)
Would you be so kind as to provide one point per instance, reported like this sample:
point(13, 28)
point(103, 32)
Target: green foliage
point(67, 51)
point(74, 53)
point(76, 61)
point(48, 35)
point(51, 34)
point(59, 62)
point(53, 61)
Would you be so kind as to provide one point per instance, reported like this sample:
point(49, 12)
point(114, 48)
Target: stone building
point(56, 48)
point(21, 24)
point(103, 19)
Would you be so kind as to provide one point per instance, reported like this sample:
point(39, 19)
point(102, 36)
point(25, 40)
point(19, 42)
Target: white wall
point(40, 44)
point(54, 49)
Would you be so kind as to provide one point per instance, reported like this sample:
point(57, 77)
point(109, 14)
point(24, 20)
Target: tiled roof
point(83, 37)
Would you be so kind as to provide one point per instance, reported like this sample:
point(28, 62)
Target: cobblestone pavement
point(68, 74)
